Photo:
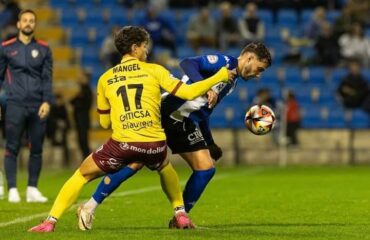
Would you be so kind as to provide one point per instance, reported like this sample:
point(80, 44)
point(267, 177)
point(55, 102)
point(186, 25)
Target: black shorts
point(182, 136)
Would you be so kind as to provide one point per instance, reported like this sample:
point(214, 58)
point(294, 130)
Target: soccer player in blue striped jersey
point(186, 124)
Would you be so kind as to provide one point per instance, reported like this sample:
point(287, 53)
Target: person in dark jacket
point(26, 64)
point(353, 90)
point(81, 112)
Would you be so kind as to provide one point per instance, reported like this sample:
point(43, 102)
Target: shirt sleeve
point(102, 102)
point(195, 66)
point(47, 73)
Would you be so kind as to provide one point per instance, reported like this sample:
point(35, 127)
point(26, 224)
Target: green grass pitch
point(240, 203)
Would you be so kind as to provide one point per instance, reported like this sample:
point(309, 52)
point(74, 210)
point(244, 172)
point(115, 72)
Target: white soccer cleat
point(34, 195)
point(13, 195)
point(85, 218)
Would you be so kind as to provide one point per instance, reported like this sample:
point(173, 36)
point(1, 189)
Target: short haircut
point(128, 36)
point(260, 50)
point(26, 11)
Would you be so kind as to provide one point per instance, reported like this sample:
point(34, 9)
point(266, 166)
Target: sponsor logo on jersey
point(116, 79)
point(34, 53)
point(137, 125)
point(212, 59)
point(13, 53)
point(134, 115)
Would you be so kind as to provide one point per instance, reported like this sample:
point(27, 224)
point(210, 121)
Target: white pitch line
point(121, 194)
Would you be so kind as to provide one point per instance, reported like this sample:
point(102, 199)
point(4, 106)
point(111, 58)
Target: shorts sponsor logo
point(113, 163)
point(99, 149)
point(195, 137)
point(148, 151)
point(124, 146)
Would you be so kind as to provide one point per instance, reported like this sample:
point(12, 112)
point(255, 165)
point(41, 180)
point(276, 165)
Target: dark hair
point(260, 50)
point(128, 36)
point(26, 11)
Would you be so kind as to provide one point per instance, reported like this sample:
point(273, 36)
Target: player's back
point(132, 90)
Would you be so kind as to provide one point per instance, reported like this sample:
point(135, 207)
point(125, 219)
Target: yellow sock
point(68, 194)
point(171, 186)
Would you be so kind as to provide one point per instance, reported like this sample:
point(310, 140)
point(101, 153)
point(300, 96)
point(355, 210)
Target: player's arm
point(192, 91)
point(206, 131)
point(193, 66)
point(47, 73)
point(103, 105)
point(214, 150)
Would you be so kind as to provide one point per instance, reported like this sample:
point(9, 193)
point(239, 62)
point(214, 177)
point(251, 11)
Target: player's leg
point(15, 117)
point(109, 184)
point(36, 131)
point(88, 171)
point(171, 187)
point(203, 171)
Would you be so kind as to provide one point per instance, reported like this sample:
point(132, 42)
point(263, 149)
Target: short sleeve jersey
point(131, 93)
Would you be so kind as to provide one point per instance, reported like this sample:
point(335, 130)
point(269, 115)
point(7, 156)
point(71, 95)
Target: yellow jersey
point(131, 93)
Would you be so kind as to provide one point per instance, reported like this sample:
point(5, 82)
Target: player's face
point(249, 66)
point(27, 24)
point(142, 51)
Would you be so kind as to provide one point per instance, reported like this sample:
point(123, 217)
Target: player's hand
point(215, 151)
point(232, 74)
point(44, 110)
point(212, 98)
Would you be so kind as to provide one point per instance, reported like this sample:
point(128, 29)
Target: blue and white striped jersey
point(197, 69)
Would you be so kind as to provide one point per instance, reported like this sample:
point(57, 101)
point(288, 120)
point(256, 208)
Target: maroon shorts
point(113, 155)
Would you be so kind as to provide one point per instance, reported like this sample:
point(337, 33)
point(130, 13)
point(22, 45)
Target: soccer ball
point(260, 119)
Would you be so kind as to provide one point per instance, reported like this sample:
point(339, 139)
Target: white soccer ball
point(260, 119)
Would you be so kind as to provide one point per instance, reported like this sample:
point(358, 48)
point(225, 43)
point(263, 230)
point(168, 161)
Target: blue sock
point(195, 186)
point(110, 182)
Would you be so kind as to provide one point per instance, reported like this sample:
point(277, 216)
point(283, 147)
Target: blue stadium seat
point(360, 119)
point(266, 17)
point(338, 74)
point(287, 18)
point(316, 75)
point(306, 15)
point(293, 75)
point(185, 51)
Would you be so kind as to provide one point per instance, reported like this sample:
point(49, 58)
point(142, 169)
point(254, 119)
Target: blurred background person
point(26, 63)
point(81, 112)
point(228, 31)
point(293, 118)
point(355, 45)
point(202, 31)
point(58, 126)
point(161, 29)
point(263, 97)
point(108, 53)
point(327, 47)
point(353, 88)
point(250, 25)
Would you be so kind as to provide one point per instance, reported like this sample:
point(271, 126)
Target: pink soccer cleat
point(181, 221)
point(45, 226)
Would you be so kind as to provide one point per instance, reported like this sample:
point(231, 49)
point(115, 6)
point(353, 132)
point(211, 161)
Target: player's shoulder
point(42, 43)
point(8, 42)
point(217, 58)
point(153, 67)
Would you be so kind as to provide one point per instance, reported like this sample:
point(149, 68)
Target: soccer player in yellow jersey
point(129, 98)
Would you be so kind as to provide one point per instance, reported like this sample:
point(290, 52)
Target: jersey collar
point(128, 59)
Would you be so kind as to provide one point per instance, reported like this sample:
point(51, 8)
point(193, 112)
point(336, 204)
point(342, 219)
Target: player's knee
point(200, 165)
